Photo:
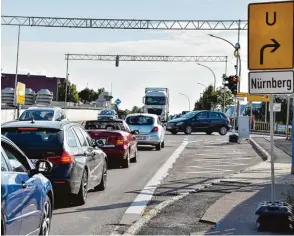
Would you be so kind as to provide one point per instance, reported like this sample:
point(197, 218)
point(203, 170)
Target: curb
point(260, 151)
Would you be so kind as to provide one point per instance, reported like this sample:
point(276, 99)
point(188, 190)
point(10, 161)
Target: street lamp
point(188, 100)
point(212, 73)
point(202, 84)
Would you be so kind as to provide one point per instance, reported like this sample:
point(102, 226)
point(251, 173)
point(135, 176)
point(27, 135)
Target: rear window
point(37, 115)
point(109, 125)
point(107, 113)
point(34, 138)
point(140, 120)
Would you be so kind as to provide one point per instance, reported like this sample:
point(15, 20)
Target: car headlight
point(180, 123)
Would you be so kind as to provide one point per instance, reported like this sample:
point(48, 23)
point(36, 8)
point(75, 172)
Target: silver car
point(151, 131)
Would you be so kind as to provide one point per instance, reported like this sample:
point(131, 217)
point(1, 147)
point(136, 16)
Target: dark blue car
point(26, 195)
point(200, 121)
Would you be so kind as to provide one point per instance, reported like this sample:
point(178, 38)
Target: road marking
point(220, 153)
point(134, 212)
point(222, 163)
point(225, 160)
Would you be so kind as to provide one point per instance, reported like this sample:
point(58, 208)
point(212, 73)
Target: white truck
point(156, 101)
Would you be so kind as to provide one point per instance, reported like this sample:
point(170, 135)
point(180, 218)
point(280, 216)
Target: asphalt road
point(104, 210)
point(205, 159)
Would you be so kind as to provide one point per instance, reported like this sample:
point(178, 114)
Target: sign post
point(20, 96)
point(273, 197)
point(271, 58)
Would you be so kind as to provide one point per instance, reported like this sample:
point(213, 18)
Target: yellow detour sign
point(258, 98)
point(270, 35)
point(21, 93)
point(242, 95)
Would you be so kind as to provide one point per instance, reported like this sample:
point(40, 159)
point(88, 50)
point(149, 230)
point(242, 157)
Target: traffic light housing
point(117, 61)
point(232, 83)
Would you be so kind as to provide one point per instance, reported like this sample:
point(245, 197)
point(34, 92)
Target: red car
point(116, 139)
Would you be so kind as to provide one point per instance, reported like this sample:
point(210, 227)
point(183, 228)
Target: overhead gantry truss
point(98, 57)
point(124, 23)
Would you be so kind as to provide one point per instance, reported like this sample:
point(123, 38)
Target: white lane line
point(139, 204)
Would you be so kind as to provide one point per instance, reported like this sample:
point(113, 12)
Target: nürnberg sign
point(271, 82)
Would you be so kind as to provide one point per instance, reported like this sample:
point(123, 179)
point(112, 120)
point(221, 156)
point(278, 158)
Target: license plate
point(141, 137)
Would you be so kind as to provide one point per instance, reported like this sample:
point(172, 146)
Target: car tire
point(102, 185)
point(208, 132)
point(162, 144)
point(223, 130)
point(158, 147)
point(134, 159)
point(188, 130)
point(82, 195)
point(46, 217)
point(126, 161)
point(174, 132)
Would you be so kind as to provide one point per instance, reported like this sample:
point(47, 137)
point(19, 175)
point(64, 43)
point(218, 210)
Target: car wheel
point(174, 132)
point(46, 217)
point(208, 132)
point(102, 185)
point(134, 159)
point(82, 195)
point(188, 129)
point(126, 161)
point(158, 147)
point(162, 144)
point(223, 130)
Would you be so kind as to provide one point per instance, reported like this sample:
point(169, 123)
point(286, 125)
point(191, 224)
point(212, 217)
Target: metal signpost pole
point(272, 148)
point(16, 73)
point(288, 114)
point(292, 167)
point(66, 81)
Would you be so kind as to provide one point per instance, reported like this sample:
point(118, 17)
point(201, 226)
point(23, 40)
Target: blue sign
point(117, 101)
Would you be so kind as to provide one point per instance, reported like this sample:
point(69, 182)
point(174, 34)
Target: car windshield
point(34, 138)
point(140, 120)
point(155, 100)
point(111, 125)
point(37, 115)
point(189, 114)
point(106, 113)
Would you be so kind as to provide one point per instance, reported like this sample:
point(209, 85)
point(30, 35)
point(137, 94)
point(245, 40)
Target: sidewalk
point(233, 201)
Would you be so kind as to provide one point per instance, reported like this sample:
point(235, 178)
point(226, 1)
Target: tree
point(136, 109)
point(72, 93)
point(89, 95)
point(211, 97)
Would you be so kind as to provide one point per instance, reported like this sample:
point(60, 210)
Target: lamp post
point(202, 84)
point(188, 100)
point(214, 85)
point(238, 67)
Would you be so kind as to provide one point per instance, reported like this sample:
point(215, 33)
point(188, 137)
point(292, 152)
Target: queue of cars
point(44, 161)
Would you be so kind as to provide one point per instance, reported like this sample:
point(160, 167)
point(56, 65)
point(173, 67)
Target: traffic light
point(232, 83)
point(117, 61)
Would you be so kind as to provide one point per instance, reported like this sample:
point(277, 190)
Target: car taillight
point(111, 140)
point(155, 129)
point(65, 158)
point(121, 141)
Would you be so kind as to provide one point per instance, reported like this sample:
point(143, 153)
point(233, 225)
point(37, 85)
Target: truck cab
point(156, 101)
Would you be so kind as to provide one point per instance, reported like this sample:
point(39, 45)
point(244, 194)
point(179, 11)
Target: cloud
point(130, 79)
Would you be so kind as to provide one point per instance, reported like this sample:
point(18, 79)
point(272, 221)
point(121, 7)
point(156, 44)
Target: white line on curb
point(138, 206)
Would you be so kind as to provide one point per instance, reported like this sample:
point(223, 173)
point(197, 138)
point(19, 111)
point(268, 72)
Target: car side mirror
point(43, 166)
point(99, 143)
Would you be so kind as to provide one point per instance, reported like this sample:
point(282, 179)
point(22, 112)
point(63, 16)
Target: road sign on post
point(270, 35)
point(117, 101)
point(241, 95)
point(20, 93)
point(271, 82)
point(258, 98)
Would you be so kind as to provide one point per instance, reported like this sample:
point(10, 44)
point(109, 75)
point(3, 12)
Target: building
point(104, 100)
point(34, 82)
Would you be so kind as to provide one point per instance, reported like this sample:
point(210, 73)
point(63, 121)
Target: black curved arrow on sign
point(275, 47)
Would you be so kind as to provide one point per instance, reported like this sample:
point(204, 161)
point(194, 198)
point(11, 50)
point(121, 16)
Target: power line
point(98, 57)
point(124, 23)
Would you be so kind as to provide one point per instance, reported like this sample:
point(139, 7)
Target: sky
point(42, 49)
